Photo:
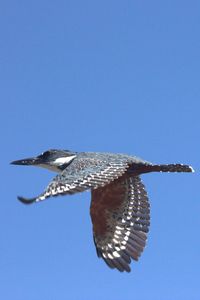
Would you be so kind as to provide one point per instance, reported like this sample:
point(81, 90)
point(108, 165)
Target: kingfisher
point(120, 209)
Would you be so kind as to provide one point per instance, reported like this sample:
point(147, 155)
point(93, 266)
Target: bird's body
point(120, 210)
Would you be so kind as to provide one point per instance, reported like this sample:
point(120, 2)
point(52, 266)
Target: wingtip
point(25, 200)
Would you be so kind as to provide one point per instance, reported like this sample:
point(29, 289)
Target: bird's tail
point(171, 168)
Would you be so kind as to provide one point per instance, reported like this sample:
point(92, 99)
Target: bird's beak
point(26, 161)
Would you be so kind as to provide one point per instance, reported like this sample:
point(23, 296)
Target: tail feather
point(172, 168)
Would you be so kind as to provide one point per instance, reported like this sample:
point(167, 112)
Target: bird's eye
point(44, 154)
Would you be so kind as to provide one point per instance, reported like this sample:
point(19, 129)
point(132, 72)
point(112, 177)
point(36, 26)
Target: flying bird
point(119, 210)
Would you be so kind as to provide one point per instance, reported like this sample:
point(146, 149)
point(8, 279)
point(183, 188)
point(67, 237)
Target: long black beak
point(26, 162)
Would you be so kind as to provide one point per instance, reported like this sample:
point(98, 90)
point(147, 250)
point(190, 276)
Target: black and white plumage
point(120, 209)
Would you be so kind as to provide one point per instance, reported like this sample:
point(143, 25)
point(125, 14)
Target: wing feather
point(80, 175)
point(120, 215)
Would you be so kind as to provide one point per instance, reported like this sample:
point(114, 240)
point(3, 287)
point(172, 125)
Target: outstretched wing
point(80, 175)
point(120, 215)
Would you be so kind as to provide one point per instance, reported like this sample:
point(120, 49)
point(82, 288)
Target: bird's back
point(111, 157)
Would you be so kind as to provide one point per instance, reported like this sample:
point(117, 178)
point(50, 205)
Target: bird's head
point(53, 159)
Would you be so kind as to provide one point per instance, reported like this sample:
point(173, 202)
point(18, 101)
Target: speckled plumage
point(120, 209)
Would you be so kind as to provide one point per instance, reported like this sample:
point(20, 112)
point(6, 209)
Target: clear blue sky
point(117, 76)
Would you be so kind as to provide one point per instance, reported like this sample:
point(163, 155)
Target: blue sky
point(117, 76)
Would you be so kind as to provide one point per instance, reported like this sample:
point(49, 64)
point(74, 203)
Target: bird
point(119, 210)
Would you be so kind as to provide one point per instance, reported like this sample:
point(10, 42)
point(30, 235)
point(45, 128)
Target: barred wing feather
point(82, 175)
point(120, 215)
